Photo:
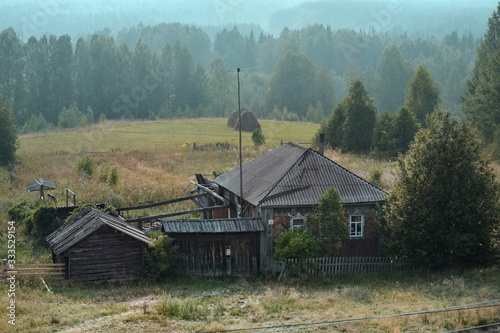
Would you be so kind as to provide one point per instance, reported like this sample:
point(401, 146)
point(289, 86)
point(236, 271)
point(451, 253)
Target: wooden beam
point(185, 212)
point(191, 197)
point(194, 200)
point(209, 191)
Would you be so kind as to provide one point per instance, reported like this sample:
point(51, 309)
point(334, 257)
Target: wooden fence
point(40, 270)
point(350, 265)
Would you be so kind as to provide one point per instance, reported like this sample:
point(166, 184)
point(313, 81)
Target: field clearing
point(160, 134)
point(155, 159)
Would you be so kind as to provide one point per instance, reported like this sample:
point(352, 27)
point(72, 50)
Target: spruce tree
point(423, 94)
point(482, 101)
point(360, 117)
point(445, 207)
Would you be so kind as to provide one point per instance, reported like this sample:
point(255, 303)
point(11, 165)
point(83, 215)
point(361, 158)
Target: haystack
point(249, 122)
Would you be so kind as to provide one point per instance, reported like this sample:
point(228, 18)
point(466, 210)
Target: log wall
point(106, 255)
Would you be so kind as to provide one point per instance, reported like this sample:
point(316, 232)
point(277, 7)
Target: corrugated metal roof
point(212, 226)
point(294, 175)
point(85, 223)
point(311, 176)
point(262, 173)
point(38, 183)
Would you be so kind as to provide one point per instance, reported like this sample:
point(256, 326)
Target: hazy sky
point(75, 17)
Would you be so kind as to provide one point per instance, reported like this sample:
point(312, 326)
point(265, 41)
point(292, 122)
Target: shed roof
point(85, 223)
point(212, 226)
point(293, 175)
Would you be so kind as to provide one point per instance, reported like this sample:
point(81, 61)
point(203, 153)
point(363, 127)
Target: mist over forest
point(83, 17)
point(71, 63)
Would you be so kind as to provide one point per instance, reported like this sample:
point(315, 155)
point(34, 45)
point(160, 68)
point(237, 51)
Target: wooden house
point(97, 246)
point(217, 247)
point(283, 186)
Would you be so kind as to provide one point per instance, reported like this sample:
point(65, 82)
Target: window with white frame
point(356, 226)
point(296, 221)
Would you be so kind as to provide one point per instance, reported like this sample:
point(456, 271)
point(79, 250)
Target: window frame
point(297, 217)
point(361, 223)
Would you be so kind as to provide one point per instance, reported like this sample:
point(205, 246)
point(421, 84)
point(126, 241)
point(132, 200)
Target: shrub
point(36, 124)
point(297, 243)
point(376, 176)
point(22, 211)
point(45, 222)
point(86, 166)
point(70, 117)
point(114, 174)
point(258, 138)
point(162, 258)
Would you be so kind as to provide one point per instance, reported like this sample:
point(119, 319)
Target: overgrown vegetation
point(86, 166)
point(163, 259)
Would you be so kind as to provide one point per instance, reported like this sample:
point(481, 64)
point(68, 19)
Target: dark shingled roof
point(262, 173)
point(293, 175)
point(85, 223)
point(212, 226)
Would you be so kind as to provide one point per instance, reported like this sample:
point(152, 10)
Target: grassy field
point(252, 305)
point(155, 160)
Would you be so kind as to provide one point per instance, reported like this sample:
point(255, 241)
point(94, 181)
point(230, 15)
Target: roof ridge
point(286, 173)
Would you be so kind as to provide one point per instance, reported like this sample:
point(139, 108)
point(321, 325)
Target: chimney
point(321, 143)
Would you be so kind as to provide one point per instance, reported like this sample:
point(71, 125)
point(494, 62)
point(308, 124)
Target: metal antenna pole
point(241, 170)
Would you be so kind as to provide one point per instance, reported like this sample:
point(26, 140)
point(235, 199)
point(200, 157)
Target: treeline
point(173, 70)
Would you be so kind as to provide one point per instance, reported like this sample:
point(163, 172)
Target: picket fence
point(350, 265)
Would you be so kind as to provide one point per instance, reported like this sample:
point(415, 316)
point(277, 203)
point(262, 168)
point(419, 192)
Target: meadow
point(155, 160)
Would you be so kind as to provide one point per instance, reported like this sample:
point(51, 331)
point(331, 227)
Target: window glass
point(356, 225)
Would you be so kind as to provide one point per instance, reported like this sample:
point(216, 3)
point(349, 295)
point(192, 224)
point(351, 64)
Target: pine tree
point(8, 139)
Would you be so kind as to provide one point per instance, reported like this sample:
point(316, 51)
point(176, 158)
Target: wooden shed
point(217, 247)
point(97, 246)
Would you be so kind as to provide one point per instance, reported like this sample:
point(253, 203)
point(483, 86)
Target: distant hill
point(416, 18)
point(84, 17)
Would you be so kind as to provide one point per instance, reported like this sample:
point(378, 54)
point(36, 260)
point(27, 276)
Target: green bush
point(114, 174)
point(86, 166)
point(162, 258)
point(45, 222)
point(297, 243)
point(376, 176)
point(258, 138)
point(22, 211)
point(69, 117)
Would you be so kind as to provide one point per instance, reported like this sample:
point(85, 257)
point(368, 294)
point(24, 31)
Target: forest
point(174, 70)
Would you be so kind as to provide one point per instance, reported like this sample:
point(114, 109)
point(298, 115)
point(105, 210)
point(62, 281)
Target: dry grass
point(193, 304)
